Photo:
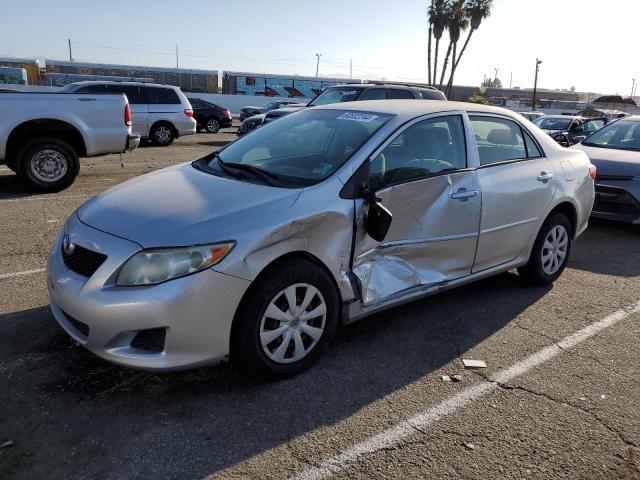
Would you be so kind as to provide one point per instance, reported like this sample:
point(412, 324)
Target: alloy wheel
point(48, 165)
point(293, 323)
point(554, 249)
point(163, 134)
point(213, 126)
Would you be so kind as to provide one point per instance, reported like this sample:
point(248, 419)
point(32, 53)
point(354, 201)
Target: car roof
point(137, 84)
point(571, 117)
point(414, 108)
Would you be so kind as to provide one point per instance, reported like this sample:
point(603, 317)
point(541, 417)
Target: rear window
point(93, 89)
point(161, 96)
point(336, 95)
point(396, 93)
point(428, 94)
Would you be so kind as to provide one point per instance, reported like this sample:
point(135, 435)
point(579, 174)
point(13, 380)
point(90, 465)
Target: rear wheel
point(47, 165)
point(286, 321)
point(550, 252)
point(162, 134)
point(213, 125)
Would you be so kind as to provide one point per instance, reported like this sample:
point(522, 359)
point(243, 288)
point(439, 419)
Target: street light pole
point(535, 84)
point(318, 63)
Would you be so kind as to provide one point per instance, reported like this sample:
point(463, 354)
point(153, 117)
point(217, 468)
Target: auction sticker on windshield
point(357, 117)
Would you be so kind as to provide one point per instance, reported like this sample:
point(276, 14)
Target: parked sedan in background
point(531, 116)
point(568, 130)
point(257, 121)
point(209, 116)
point(615, 150)
point(246, 112)
point(328, 215)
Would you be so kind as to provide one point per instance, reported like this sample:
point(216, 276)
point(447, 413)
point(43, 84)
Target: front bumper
point(195, 311)
point(614, 202)
point(133, 142)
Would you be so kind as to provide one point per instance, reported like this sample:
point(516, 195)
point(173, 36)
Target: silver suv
point(160, 113)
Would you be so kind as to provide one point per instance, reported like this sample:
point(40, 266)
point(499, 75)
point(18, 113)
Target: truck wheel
point(213, 125)
point(47, 165)
point(162, 135)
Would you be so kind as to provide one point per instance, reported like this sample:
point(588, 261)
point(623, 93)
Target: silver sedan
point(258, 251)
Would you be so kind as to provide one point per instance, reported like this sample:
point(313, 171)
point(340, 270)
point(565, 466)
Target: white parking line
point(45, 197)
point(21, 274)
point(424, 419)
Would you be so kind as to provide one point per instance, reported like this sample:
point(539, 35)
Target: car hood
point(610, 161)
point(181, 205)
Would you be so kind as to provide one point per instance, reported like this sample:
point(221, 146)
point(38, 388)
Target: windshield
point(622, 135)
point(335, 95)
point(547, 123)
point(271, 105)
point(305, 147)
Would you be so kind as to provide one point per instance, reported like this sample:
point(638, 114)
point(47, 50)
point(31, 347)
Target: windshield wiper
point(268, 177)
point(224, 168)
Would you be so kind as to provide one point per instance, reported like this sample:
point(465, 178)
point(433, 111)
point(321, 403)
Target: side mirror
point(378, 218)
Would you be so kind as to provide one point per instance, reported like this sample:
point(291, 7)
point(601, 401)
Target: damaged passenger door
point(422, 177)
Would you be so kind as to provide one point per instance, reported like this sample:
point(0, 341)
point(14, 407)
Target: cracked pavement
point(575, 416)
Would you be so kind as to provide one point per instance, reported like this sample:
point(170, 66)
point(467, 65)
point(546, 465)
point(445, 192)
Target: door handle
point(463, 194)
point(545, 177)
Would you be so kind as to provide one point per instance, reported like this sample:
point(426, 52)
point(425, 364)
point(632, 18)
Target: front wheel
point(550, 252)
point(286, 321)
point(47, 165)
point(162, 135)
point(213, 125)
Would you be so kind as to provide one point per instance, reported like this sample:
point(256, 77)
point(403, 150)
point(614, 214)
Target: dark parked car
point(615, 151)
point(210, 117)
point(568, 130)
point(246, 112)
point(348, 93)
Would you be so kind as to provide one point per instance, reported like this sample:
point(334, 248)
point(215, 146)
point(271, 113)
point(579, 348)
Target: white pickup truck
point(42, 135)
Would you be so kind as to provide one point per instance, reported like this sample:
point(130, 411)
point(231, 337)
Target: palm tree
point(437, 22)
point(457, 21)
point(477, 11)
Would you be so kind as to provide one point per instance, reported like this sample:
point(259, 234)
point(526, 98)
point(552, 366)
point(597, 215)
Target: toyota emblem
point(67, 244)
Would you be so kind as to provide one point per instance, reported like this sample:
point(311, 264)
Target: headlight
point(150, 267)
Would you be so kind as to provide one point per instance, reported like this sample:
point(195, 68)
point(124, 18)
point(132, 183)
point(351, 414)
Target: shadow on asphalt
point(608, 248)
point(59, 400)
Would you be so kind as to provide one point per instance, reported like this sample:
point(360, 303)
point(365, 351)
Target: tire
point(212, 125)
point(545, 264)
point(162, 134)
point(47, 165)
point(252, 326)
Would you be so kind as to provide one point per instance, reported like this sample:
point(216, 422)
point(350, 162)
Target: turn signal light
point(592, 171)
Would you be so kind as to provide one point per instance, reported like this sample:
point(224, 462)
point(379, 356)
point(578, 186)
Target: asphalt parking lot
point(558, 399)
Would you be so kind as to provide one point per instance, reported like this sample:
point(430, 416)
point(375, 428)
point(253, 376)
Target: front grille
point(83, 261)
point(615, 200)
point(151, 340)
point(82, 328)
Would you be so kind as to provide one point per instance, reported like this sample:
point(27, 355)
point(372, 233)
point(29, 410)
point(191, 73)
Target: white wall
point(232, 102)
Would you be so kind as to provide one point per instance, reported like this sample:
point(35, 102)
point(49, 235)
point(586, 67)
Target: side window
point(532, 148)
point(374, 94)
point(93, 89)
point(498, 139)
point(131, 91)
point(427, 148)
point(161, 96)
point(195, 103)
point(398, 94)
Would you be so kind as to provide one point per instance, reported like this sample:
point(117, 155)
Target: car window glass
point(532, 149)
point(131, 91)
point(593, 125)
point(374, 94)
point(195, 103)
point(397, 93)
point(426, 148)
point(161, 96)
point(498, 139)
point(93, 89)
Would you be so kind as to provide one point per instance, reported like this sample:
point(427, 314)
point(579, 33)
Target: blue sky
point(581, 43)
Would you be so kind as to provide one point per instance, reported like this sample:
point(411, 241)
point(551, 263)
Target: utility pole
point(350, 69)
point(633, 86)
point(70, 55)
point(511, 80)
point(318, 55)
point(535, 85)
point(177, 58)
